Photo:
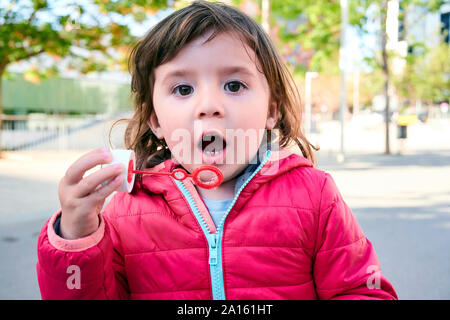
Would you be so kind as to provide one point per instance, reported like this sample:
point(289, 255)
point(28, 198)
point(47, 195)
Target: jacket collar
point(279, 163)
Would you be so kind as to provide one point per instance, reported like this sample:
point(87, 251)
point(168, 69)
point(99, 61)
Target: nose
point(210, 103)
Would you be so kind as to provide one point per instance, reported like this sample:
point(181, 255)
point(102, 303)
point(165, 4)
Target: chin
point(231, 171)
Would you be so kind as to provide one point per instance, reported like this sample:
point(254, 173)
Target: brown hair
point(168, 37)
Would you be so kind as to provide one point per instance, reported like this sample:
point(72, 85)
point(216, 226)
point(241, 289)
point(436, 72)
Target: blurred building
point(420, 25)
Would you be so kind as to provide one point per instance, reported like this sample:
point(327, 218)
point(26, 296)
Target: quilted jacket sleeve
point(345, 264)
point(86, 268)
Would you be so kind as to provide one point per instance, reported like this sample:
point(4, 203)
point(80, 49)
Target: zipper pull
point(212, 249)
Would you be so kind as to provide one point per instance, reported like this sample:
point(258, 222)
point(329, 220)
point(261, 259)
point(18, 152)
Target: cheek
point(180, 142)
point(170, 124)
point(255, 108)
point(251, 118)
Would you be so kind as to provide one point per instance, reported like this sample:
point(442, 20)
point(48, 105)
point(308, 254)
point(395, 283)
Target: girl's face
point(212, 92)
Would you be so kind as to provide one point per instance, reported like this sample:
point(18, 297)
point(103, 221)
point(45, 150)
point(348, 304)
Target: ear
point(153, 123)
point(272, 116)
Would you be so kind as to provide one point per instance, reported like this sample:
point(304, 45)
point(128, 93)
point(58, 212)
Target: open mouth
point(213, 147)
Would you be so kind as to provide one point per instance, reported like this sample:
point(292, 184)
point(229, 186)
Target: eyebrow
point(222, 71)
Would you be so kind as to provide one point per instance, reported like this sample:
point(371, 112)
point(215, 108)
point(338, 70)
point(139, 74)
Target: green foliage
point(307, 32)
point(426, 77)
point(29, 28)
point(313, 25)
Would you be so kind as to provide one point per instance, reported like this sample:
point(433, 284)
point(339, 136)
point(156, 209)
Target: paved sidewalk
point(29, 195)
point(401, 202)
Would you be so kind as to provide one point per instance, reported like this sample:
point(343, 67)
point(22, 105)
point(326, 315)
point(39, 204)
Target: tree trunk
point(2, 69)
point(385, 67)
point(386, 97)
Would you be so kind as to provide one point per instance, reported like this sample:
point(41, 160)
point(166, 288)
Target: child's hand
point(82, 198)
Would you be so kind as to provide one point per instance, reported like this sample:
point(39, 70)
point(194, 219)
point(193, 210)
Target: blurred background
point(373, 77)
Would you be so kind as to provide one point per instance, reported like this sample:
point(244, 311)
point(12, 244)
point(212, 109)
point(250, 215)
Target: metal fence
point(50, 132)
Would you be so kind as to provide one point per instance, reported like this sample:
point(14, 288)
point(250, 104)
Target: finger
point(90, 183)
point(105, 191)
point(86, 162)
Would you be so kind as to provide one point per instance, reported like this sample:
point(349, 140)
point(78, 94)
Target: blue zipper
point(215, 240)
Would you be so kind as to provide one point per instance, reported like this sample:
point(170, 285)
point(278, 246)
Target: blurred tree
point(371, 84)
point(307, 31)
point(426, 76)
point(87, 31)
point(384, 60)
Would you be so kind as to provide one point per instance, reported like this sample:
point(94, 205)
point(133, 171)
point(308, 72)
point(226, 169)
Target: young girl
point(276, 228)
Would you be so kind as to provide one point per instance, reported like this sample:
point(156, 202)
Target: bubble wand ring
point(181, 174)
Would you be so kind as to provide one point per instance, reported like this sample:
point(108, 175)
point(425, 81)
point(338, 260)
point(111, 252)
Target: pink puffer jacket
point(288, 235)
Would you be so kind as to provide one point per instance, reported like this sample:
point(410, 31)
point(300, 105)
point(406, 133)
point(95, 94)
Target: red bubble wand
point(181, 174)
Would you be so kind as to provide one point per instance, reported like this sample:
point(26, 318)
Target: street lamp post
point(265, 15)
point(308, 77)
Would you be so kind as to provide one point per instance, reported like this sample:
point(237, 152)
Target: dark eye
point(234, 86)
point(183, 90)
